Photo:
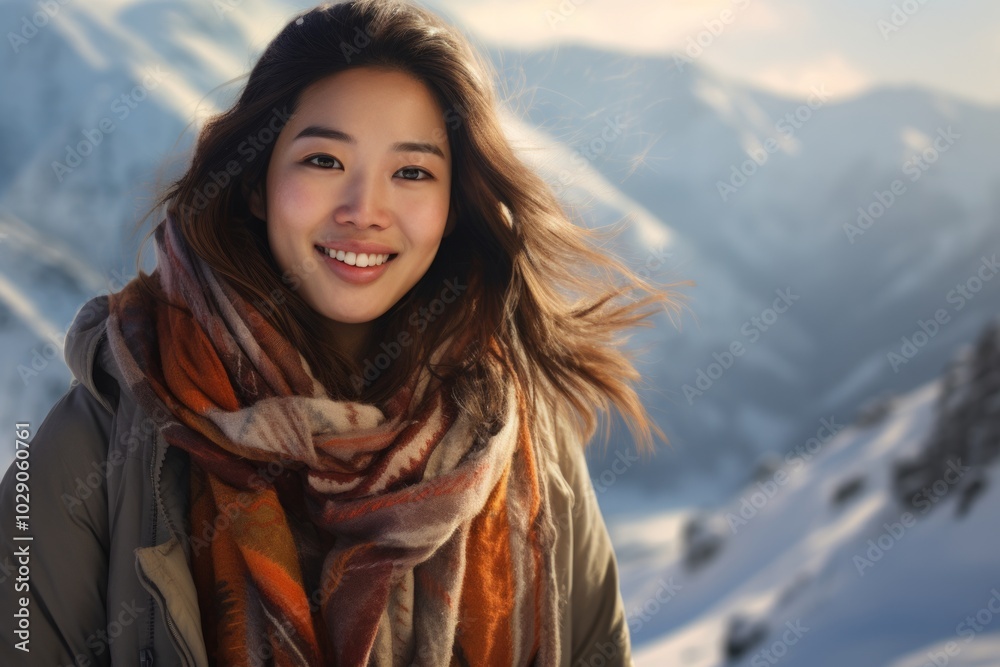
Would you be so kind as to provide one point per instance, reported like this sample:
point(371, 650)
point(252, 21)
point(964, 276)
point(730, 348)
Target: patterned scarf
point(328, 532)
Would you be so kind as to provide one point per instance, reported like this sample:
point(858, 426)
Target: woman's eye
point(325, 163)
point(412, 170)
point(408, 173)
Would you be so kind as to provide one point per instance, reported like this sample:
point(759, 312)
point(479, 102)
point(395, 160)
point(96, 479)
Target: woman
point(343, 421)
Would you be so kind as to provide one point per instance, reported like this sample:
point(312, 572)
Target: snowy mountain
point(106, 102)
point(761, 195)
point(875, 546)
point(813, 316)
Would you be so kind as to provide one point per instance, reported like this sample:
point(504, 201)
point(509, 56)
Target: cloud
point(784, 46)
point(646, 26)
point(796, 79)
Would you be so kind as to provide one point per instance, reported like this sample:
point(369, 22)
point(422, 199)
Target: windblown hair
point(542, 304)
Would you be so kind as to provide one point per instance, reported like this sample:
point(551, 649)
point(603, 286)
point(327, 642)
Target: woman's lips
point(356, 275)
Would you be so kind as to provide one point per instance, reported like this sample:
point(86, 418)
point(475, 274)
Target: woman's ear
point(256, 202)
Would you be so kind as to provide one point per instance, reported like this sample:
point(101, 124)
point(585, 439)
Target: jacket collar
point(88, 355)
point(83, 350)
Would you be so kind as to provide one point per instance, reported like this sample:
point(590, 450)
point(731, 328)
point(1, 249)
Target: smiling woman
point(343, 422)
point(369, 198)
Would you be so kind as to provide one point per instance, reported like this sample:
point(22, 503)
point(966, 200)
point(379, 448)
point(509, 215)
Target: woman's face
point(361, 170)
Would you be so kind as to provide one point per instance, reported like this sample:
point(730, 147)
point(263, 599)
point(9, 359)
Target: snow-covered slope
point(818, 562)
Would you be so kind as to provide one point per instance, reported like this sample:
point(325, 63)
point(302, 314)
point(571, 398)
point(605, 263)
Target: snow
point(972, 651)
point(789, 556)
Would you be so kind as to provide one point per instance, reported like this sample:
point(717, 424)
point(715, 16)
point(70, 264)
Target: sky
point(784, 46)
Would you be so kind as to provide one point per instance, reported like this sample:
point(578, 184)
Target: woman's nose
point(362, 201)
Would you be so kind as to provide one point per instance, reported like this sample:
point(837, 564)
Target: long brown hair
point(537, 296)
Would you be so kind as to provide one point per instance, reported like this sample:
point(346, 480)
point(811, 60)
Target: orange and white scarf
point(331, 532)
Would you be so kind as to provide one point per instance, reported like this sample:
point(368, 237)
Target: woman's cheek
point(297, 201)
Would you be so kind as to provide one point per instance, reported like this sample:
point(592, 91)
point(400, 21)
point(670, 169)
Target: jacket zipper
point(174, 634)
point(152, 542)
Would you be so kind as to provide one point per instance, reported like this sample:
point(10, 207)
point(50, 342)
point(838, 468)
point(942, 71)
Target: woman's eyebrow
point(339, 135)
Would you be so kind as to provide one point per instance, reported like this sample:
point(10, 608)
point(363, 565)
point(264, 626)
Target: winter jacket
point(108, 569)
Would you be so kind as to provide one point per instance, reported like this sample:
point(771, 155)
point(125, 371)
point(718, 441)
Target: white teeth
point(356, 259)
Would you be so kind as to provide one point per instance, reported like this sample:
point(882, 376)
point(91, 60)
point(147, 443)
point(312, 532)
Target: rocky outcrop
point(966, 433)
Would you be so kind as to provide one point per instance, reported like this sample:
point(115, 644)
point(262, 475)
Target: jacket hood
point(86, 351)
